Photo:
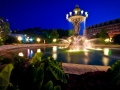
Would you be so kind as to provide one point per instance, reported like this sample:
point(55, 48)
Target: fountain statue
point(76, 40)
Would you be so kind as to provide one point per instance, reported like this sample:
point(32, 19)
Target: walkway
point(81, 69)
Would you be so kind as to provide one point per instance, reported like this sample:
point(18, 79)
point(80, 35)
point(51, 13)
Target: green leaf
point(114, 73)
point(5, 76)
point(57, 71)
point(36, 57)
point(39, 77)
point(57, 87)
point(49, 85)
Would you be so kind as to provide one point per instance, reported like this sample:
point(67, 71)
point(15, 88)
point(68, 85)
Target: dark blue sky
point(23, 14)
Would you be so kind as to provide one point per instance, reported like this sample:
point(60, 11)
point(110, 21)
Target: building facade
point(112, 27)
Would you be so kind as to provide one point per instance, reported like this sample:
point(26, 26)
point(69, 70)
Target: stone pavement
point(81, 68)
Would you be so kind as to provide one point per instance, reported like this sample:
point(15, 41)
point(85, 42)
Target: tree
point(11, 40)
point(54, 35)
point(4, 30)
point(103, 34)
point(97, 35)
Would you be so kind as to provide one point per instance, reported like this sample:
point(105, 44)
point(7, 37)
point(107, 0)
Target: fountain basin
point(60, 53)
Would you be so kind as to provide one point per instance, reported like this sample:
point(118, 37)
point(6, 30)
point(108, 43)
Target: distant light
point(86, 13)
point(107, 40)
point(54, 40)
point(38, 40)
point(70, 13)
point(19, 38)
point(82, 12)
point(31, 39)
point(67, 16)
point(75, 12)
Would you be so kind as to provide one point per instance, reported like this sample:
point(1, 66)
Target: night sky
point(23, 14)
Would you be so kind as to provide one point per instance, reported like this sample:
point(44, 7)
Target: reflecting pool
point(94, 56)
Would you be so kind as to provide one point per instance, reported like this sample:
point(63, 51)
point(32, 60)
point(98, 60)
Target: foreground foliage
point(47, 74)
point(5, 72)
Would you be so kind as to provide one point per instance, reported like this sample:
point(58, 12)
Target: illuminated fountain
point(79, 16)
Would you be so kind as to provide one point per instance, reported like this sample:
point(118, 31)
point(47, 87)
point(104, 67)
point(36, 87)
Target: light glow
point(20, 54)
point(70, 13)
point(38, 40)
point(82, 12)
point(106, 51)
point(54, 48)
point(54, 40)
point(107, 40)
point(19, 38)
point(75, 12)
point(38, 50)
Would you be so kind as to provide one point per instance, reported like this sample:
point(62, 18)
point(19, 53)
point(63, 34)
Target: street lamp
point(19, 38)
point(38, 40)
point(54, 40)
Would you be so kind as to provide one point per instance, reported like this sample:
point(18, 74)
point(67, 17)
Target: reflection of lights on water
point(86, 53)
point(28, 53)
point(74, 50)
point(68, 57)
point(86, 61)
point(61, 47)
point(31, 53)
point(54, 48)
point(98, 48)
point(54, 55)
point(38, 50)
point(86, 58)
point(105, 61)
point(106, 51)
point(20, 54)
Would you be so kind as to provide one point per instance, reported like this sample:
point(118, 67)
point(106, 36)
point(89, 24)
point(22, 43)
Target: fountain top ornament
point(76, 19)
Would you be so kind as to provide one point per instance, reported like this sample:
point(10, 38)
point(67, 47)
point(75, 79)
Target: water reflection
point(31, 53)
point(38, 50)
point(28, 53)
point(105, 61)
point(68, 57)
point(86, 57)
point(106, 51)
point(54, 54)
point(20, 54)
point(92, 57)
